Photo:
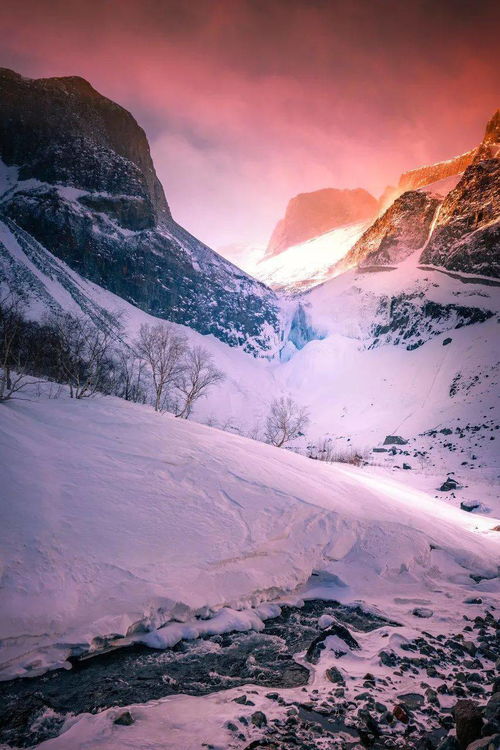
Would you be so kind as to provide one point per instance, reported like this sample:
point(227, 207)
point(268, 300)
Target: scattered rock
point(395, 440)
point(124, 719)
point(335, 675)
point(468, 722)
point(423, 612)
point(449, 484)
point(486, 743)
point(259, 719)
point(400, 713)
point(470, 505)
point(412, 701)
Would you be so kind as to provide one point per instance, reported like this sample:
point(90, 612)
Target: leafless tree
point(197, 376)
point(130, 375)
point(84, 354)
point(14, 363)
point(285, 422)
point(163, 350)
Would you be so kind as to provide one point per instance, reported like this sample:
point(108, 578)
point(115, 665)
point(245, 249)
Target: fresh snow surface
point(127, 519)
point(309, 263)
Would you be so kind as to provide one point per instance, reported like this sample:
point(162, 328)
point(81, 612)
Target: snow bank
point(116, 521)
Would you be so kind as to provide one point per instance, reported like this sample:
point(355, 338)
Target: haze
point(247, 103)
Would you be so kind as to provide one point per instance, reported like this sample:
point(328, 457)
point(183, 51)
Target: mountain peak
point(311, 214)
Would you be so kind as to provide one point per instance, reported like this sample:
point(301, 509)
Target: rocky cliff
point(311, 214)
point(79, 179)
point(466, 236)
point(401, 230)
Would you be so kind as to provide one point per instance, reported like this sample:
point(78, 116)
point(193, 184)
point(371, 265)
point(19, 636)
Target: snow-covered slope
point(127, 519)
point(309, 263)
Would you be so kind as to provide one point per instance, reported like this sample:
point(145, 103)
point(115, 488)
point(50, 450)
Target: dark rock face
point(94, 201)
point(467, 233)
point(411, 319)
point(401, 230)
point(61, 130)
point(311, 214)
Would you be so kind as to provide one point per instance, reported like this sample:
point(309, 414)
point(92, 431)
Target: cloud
point(248, 102)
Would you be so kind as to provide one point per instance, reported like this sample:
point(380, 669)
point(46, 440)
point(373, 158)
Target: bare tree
point(130, 376)
point(84, 355)
point(14, 363)
point(163, 350)
point(198, 375)
point(285, 422)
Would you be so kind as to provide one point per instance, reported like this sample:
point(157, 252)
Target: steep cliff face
point(466, 236)
point(422, 176)
point(79, 179)
point(311, 214)
point(401, 230)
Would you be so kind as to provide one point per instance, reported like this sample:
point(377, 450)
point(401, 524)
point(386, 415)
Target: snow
point(307, 264)
point(128, 520)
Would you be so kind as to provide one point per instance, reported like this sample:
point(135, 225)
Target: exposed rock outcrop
point(466, 236)
point(401, 230)
point(311, 214)
point(87, 191)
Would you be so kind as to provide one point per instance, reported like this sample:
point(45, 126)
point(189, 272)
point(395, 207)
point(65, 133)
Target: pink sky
point(249, 102)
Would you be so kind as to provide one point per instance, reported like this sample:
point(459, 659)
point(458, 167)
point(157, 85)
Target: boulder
point(468, 722)
point(124, 718)
point(395, 440)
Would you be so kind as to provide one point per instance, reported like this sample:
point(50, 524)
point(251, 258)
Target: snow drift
point(118, 520)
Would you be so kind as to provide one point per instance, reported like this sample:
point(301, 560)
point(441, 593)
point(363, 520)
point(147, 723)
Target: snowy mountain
point(311, 214)
point(449, 210)
point(77, 177)
point(303, 266)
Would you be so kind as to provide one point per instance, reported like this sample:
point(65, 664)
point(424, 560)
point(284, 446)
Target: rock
point(335, 675)
point(400, 713)
point(469, 505)
point(470, 647)
point(449, 484)
point(395, 440)
point(406, 466)
point(492, 711)
point(422, 612)
point(241, 699)
point(388, 658)
point(259, 719)
point(466, 234)
point(392, 237)
point(449, 743)
point(468, 722)
point(412, 701)
point(318, 644)
point(124, 718)
point(486, 743)
point(447, 341)
point(325, 621)
point(473, 600)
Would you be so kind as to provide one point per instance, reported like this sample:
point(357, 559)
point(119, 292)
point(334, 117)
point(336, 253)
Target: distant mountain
point(311, 214)
point(77, 177)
